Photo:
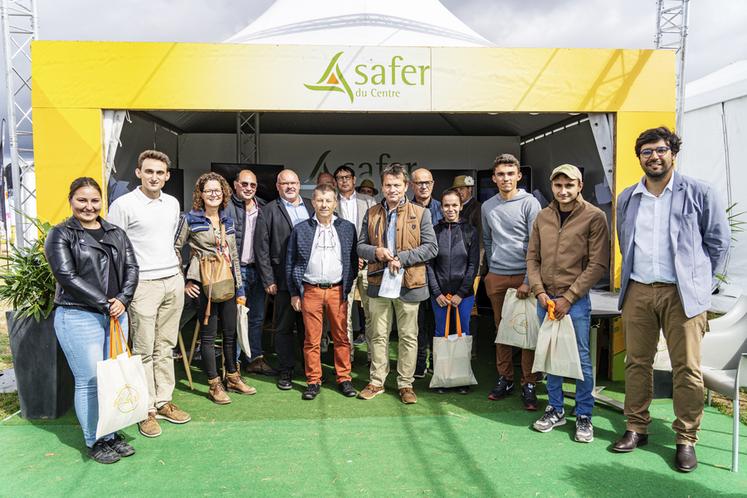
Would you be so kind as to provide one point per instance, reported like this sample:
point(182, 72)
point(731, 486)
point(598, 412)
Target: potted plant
point(44, 380)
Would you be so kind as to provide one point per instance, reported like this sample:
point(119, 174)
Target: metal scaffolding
point(247, 137)
point(19, 30)
point(671, 33)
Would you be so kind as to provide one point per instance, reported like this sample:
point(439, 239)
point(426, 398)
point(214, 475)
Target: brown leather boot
point(235, 383)
point(217, 393)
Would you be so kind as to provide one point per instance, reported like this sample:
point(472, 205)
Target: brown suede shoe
point(407, 395)
point(149, 427)
point(173, 414)
point(234, 383)
point(370, 391)
point(260, 366)
point(217, 393)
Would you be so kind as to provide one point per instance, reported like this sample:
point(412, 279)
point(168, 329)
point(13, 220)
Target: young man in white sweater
point(150, 218)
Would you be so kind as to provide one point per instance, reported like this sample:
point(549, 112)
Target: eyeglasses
point(213, 192)
point(343, 178)
point(423, 184)
point(660, 151)
point(248, 184)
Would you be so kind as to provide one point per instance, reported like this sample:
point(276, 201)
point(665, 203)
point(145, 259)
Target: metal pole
point(681, 69)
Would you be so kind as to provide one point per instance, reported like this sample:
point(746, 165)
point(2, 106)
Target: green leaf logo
point(332, 80)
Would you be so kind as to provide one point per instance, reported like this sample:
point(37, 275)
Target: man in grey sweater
point(507, 220)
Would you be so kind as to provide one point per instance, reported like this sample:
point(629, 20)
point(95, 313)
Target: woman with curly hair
point(210, 233)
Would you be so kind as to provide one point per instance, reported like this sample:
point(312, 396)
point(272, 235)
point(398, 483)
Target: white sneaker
point(584, 429)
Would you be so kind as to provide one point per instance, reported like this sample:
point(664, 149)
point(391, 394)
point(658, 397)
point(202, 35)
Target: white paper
point(391, 284)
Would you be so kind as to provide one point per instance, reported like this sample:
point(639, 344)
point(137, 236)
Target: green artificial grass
point(275, 444)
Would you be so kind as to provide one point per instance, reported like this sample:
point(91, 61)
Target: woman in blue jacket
point(451, 274)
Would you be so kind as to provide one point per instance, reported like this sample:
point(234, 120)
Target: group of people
point(313, 256)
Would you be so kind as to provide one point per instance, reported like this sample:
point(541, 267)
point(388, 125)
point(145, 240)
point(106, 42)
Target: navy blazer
point(271, 242)
point(700, 236)
point(299, 253)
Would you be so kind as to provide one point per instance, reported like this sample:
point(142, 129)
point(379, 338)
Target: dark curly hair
point(197, 203)
point(654, 135)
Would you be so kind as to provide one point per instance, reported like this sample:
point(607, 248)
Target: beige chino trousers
point(154, 312)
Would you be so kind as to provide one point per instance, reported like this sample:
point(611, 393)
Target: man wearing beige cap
point(465, 186)
point(368, 188)
point(569, 251)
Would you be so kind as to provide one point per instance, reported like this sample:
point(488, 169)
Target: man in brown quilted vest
point(396, 235)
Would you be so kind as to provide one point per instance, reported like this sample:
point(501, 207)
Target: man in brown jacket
point(569, 251)
point(396, 235)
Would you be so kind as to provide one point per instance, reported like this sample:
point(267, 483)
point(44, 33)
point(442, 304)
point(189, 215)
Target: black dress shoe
point(311, 392)
point(347, 389)
point(121, 446)
point(630, 441)
point(285, 382)
point(102, 452)
point(685, 459)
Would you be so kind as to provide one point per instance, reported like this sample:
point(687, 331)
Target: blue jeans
point(580, 314)
point(84, 338)
point(255, 301)
point(439, 314)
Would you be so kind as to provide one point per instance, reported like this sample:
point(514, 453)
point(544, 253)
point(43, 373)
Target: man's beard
point(657, 174)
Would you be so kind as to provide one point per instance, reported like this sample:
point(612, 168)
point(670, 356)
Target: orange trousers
point(313, 303)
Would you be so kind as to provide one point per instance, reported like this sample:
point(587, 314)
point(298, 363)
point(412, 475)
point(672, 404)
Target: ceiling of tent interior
point(363, 123)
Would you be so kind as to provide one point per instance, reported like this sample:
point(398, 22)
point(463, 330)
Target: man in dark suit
point(274, 226)
point(244, 208)
point(321, 265)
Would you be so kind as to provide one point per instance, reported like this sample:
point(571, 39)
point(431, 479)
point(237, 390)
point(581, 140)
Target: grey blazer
point(364, 203)
point(700, 235)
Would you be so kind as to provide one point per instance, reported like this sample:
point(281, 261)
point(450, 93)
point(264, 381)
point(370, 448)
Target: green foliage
point(28, 285)
point(736, 224)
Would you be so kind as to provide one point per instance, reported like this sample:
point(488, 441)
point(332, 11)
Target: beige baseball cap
point(463, 181)
point(568, 170)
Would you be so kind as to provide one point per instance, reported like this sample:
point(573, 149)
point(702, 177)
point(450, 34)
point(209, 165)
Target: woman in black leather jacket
point(96, 272)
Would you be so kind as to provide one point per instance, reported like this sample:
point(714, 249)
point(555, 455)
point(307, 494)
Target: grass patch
point(725, 406)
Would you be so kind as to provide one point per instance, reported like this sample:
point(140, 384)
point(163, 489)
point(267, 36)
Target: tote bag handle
point(116, 339)
point(448, 321)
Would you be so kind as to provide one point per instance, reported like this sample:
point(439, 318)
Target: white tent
point(714, 148)
point(360, 22)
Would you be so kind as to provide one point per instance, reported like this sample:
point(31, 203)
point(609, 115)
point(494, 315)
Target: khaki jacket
point(568, 261)
point(197, 231)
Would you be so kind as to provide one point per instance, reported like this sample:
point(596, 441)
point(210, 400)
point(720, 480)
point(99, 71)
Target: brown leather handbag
point(216, 275)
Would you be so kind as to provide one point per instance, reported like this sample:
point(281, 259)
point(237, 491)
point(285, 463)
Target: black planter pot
point(45, 383)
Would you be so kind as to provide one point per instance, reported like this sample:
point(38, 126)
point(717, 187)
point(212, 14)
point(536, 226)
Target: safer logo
point(332, 79)
point(127, 399)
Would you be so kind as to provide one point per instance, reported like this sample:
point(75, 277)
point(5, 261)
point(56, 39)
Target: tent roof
point(359, 22)
point(729, 82)
point(361, 123)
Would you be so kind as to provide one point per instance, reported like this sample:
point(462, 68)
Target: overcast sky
point(717, 34)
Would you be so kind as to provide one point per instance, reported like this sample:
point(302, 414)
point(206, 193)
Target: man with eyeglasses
point(244, 209)
point(674, 235)
point(422, 186)
point(274, 225)
point(352, 207)
point(397, 235)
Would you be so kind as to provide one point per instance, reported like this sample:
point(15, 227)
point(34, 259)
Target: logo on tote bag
point(127, 399)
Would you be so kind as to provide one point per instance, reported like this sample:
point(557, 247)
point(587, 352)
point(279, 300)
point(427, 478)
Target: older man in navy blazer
point(321, 265)
point(674, 235)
